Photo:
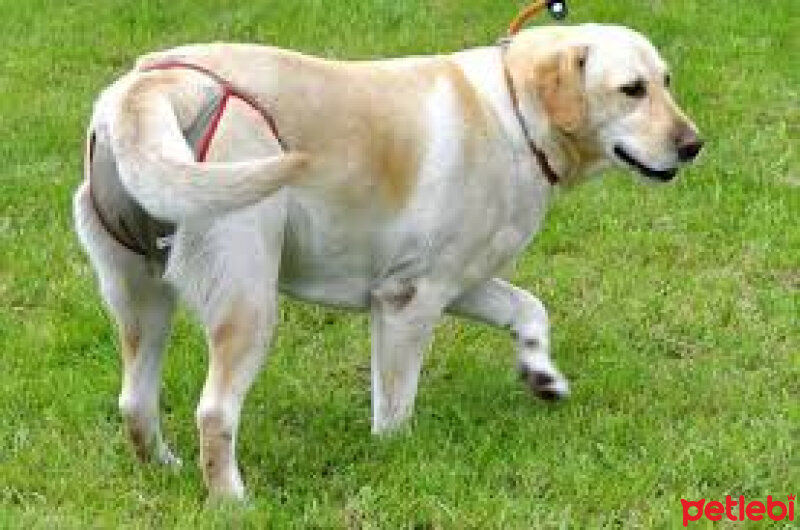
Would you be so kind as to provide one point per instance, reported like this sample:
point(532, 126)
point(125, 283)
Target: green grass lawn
point(675, 309)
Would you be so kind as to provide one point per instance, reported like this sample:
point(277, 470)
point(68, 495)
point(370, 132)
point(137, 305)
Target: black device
point(557, 8)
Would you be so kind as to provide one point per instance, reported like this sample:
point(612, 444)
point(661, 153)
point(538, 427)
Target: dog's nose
point(689, 151)
point(688, 144)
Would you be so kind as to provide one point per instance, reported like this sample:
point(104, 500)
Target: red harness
point(228, 91)
point(122, 217)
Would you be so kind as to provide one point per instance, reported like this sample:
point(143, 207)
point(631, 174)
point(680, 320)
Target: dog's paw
point(549, 386)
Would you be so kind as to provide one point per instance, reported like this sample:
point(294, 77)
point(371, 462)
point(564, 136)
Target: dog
point(397, 186)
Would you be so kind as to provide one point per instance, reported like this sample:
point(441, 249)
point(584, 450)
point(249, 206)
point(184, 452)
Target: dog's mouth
point(663, 175)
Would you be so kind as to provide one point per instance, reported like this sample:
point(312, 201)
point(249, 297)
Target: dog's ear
point(558, 81)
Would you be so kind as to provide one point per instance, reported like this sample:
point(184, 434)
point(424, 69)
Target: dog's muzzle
point(663, 175)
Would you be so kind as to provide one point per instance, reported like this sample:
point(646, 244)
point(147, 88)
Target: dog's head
point(605, 91)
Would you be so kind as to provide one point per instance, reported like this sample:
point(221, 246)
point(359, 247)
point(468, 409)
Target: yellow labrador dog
point(229, 173)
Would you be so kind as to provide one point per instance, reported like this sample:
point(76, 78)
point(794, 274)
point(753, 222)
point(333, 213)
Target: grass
point(675, 309)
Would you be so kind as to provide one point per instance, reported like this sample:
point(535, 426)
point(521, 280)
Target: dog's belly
point(323, 271)
point(348, 293)
point(326, 255)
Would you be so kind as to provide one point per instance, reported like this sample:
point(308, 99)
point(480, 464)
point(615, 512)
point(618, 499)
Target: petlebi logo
point(738, 509)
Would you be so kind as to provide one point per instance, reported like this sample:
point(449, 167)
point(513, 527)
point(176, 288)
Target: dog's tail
point(157, 166)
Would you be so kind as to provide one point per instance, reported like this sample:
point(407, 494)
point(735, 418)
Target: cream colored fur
point(407, 186)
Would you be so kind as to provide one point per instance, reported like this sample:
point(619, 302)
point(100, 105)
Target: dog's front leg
point(403, 316)
point(501, 304)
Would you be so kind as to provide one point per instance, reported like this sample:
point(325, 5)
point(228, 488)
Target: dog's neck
point(571, 154)
point(484, 68)
point(561, 151)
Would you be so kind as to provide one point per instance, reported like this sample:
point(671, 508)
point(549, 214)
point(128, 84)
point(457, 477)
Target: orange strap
point(524, 16)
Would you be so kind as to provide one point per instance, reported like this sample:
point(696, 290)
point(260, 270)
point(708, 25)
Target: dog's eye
point(637, 89)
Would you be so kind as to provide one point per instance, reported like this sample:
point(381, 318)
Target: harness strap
point(228, 91)
point(125, 240)
point(135, 229)
point(205, 140)
point(122, 217)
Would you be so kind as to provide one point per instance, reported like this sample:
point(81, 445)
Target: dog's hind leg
point(143, 334)
point(229, 275)
point(237, 342)
point(503, 305)
point(142, 305)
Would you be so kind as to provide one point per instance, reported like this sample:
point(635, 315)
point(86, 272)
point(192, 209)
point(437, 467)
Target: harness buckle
point(164, 242)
